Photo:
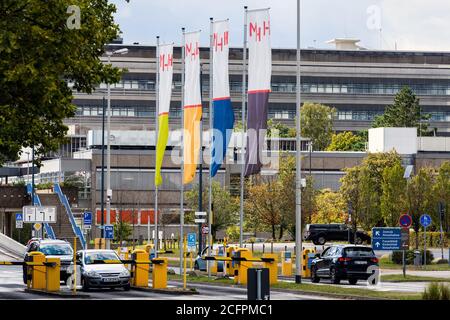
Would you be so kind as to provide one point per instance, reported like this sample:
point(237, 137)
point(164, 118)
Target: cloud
point(417, 24)
point(412, 24)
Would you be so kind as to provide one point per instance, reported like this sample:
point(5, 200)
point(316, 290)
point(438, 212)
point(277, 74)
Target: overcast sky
point(379, 24)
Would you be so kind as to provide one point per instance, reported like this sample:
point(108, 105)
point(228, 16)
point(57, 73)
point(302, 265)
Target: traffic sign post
point(87, 220)
point(388, 239)
point(109, 232)
point(425, 221)
point(33, 214)
point(19, 220)
point(405, 221)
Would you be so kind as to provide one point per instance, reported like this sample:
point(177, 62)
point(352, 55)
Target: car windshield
point(95, 257)
point(359, 252)
point(60, 249)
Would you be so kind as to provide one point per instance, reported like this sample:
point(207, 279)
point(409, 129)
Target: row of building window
point(336, 88)
point(280, 114)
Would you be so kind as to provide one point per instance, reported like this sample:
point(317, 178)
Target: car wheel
point(127, 287)
point(84, 285)
point(314, 277)
point(196, 267)
point(353, 281)
point(24, 277)
point(321, 240)
point(333, 276)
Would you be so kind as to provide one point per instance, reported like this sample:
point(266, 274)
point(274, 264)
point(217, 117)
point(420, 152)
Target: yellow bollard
point(229, 267)
point(140, 268)
point(306, 271)
point(272, 266)
point(38, 271)
point(160, 273)
point(53, 275)
point(240, 274)
point(100, 243)
point(286, 263)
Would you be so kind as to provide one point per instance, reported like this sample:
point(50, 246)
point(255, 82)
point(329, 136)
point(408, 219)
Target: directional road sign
point(425, 220)
point(405, 221)
point(33, 214)
point(109, 232)
point(387, 239)
point(200, 220)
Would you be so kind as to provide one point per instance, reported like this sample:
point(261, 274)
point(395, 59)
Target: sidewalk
point(433, 274)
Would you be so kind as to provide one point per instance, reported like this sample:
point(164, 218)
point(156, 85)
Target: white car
point(102, 269)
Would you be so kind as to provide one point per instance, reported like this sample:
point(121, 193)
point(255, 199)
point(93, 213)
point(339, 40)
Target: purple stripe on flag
point(258, 103)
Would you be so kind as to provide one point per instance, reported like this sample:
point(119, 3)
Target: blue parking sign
point(87, 218)
point(109, 232)
point(19, 216)
point(191, 239)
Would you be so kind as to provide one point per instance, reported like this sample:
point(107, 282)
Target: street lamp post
point(108, 158)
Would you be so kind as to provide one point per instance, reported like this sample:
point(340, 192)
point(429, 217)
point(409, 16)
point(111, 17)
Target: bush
point(233, 233)
point(433, 239)
point(397, 256)
point(436, 291)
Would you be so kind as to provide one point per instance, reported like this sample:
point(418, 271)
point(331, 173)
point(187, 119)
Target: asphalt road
point(277, 247)
point(12, 287)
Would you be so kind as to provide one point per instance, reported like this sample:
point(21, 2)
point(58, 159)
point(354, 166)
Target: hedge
point(397, 257)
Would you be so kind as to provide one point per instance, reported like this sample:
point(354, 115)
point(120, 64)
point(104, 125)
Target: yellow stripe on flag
point(191, 151)
point(163, 136)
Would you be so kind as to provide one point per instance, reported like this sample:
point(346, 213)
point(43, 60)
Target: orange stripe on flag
point(191, 139)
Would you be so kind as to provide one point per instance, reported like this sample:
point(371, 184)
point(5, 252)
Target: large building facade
point(358, 83)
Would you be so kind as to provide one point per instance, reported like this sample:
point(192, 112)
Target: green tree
point(346, 141)
point(393, 198)
point(331, 207)
point(420, 197)
point(362, 187)
point(442, 190)
point(122, 231)
point(225, 206)
point(284, 131)
point(40, 53)
point(405, 112)
point(317, 123)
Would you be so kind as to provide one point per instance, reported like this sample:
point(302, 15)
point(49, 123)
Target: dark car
point(319, 234)
point(51, 249)
point(343, 262)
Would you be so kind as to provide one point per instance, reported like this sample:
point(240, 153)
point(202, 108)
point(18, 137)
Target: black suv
point(319, 234)
point(341, 262)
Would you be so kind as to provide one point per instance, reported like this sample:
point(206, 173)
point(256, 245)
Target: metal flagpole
point(210, 139)
point(156, 245)
point(244, 95)
point(298, 175)
point(182, 155)
point(200, 169)
point(108, 160)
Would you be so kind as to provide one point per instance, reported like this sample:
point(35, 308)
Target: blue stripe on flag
point(223, 122)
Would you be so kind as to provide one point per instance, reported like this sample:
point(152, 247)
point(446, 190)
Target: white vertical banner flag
point(223, 118)
point(259, 51)
point(165, 77)
point(259, 76)
point(164, 96)
point(192, 109)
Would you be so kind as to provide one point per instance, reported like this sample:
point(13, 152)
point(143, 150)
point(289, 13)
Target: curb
point(311, 293)
point(63, 294)
point(172, 291)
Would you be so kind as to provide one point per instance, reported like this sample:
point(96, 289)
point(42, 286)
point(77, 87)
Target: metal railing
point(76, 229)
